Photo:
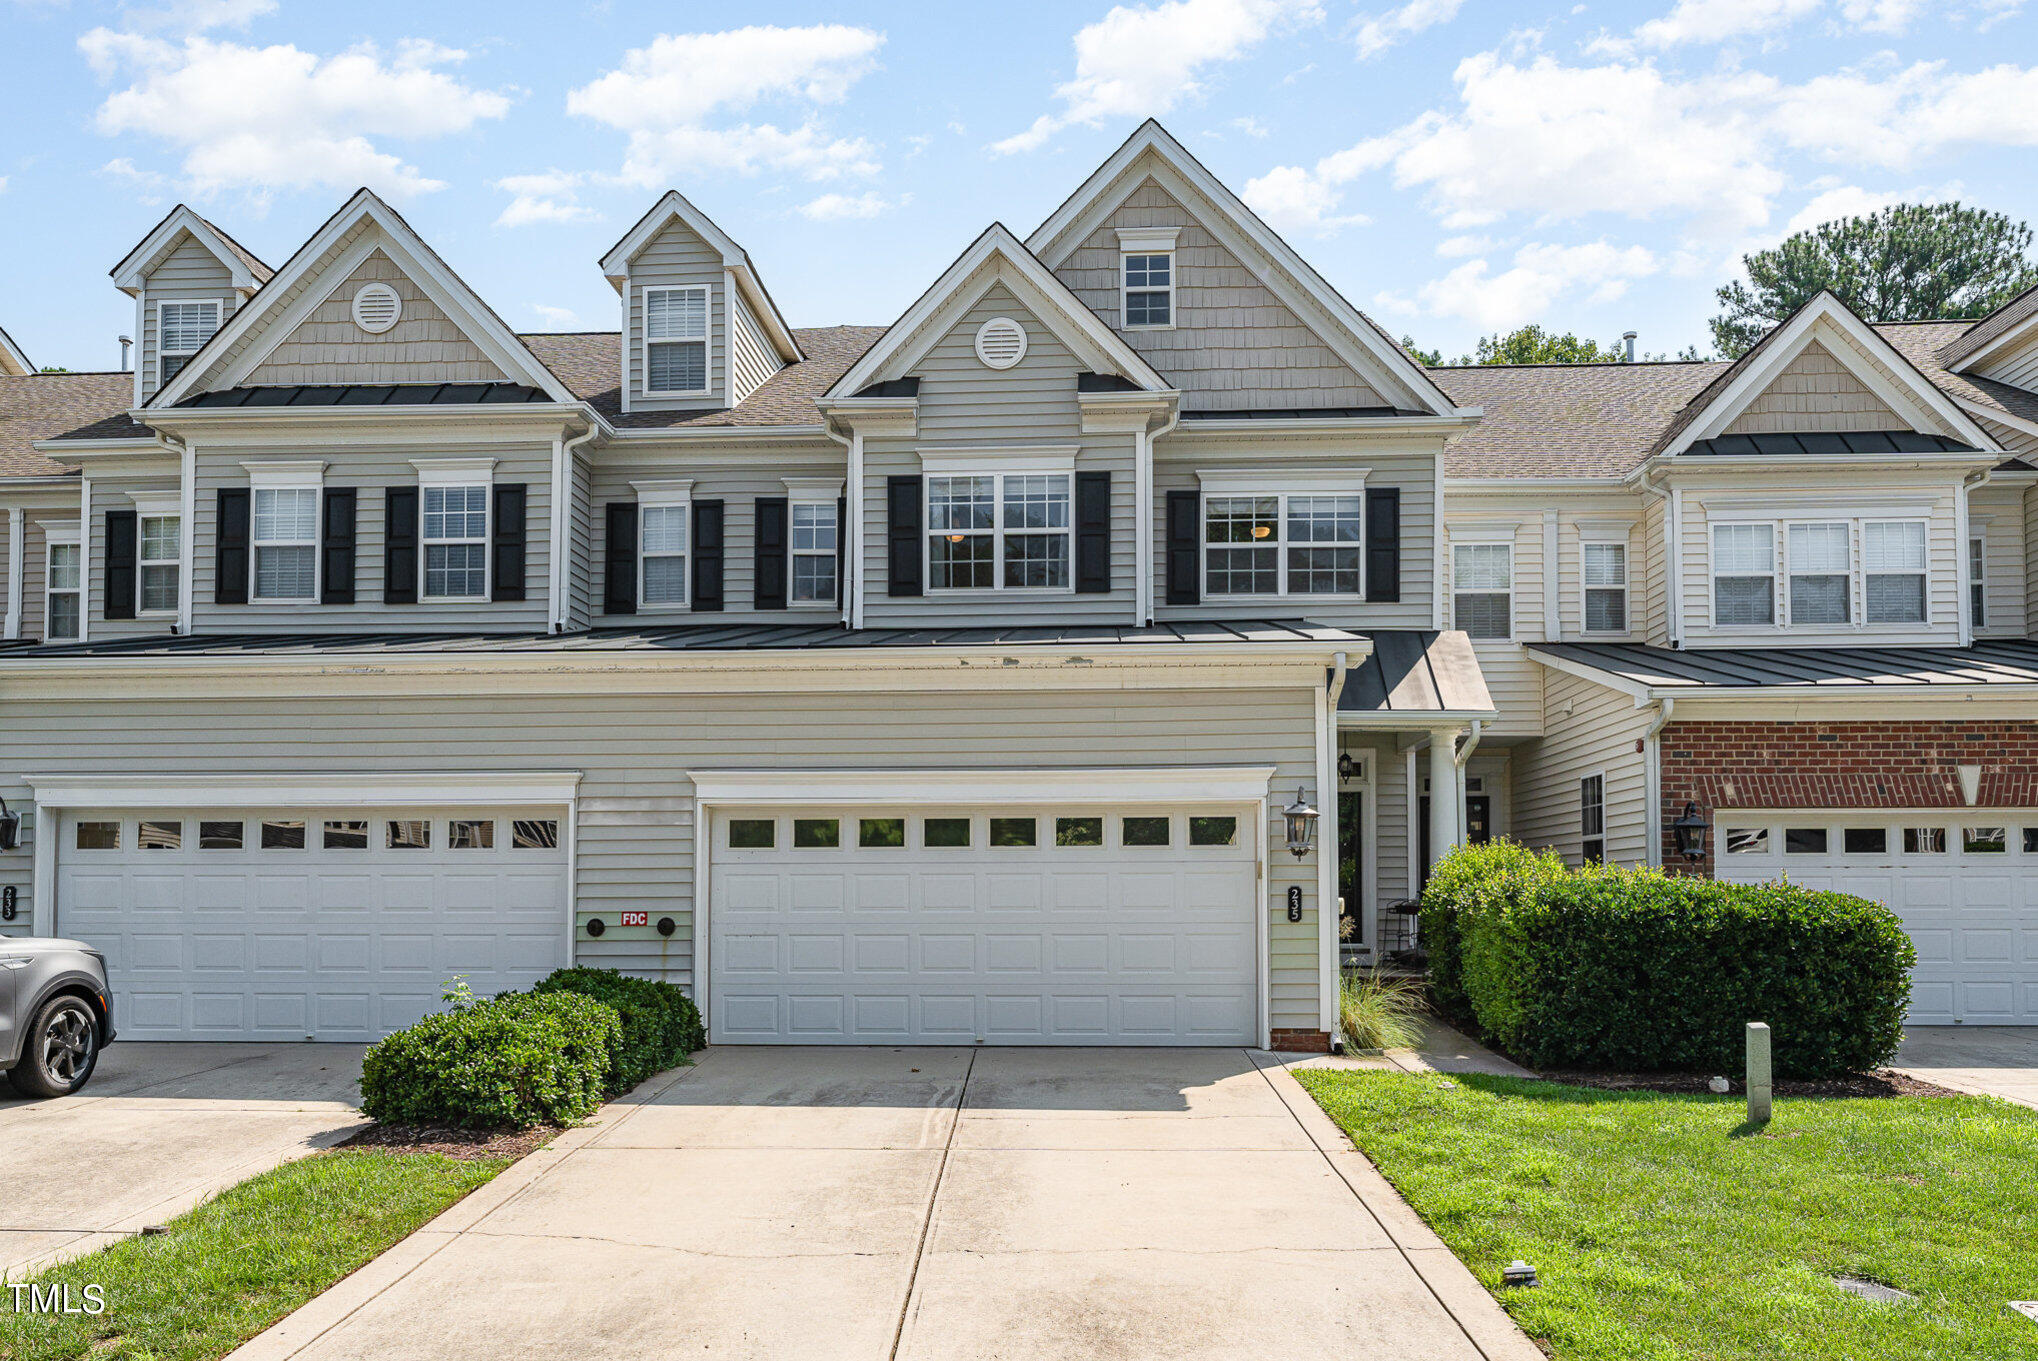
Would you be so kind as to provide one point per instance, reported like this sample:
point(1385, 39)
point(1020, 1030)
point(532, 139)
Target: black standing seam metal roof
point(1416, 671)
point(1831, 442)
point(2003, 661)
point(370, 394)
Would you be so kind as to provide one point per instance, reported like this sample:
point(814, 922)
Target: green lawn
point(1662, 1227)
point(233, 1266)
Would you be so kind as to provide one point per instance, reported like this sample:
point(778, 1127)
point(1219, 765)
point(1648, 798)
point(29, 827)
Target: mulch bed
point(1879, 1083)
point(452, 1141)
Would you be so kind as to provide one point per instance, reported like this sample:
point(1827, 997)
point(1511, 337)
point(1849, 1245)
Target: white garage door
point(1965, 886)
point(310, 923)
point(1005, 926)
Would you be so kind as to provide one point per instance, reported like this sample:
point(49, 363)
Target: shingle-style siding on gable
point(678, 256)
point(274, 299)
point(425, 345)
point(189, 273)
point(1816, 392)
point(1234, 344)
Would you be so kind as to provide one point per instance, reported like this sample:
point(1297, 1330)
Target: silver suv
point(55, 1013)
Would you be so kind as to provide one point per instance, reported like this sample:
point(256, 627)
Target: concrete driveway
point(159, 1128)
point(1989, 1060)
point(927, 1203)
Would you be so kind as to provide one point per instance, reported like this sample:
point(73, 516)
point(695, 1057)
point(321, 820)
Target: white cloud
point(557, 318)
point(671, 96)
point(550, 196)
point(1597, 271)
point(267, 118)
point(1251, 127)
point(1378, 32)
point(1880, 16)
point(195, 16)
point(1846, 200)
point(1453, 247)
point(840, 207)
point(1911, 115)
point(1138, 62)
point(1715, 21)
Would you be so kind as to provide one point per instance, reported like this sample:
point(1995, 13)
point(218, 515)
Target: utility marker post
point(1758, 1073)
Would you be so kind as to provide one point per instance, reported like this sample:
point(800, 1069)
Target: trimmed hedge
point(661, 1025)
point(521, 1059)
point(1631, 969)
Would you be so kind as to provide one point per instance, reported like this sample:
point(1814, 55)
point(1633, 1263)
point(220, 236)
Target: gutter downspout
point(852, 501)
point(1142, 514)
point(1463, 756)
point(562, 519)
point(187, 509)
point(1652, 776)
point(1327, 917)
point(1964, 576)
point(17, 531)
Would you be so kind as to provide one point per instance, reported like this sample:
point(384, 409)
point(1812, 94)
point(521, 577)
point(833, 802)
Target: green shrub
point(521, 1059)
point(1631, 969)
point(661, 1025)
point(1473, 878)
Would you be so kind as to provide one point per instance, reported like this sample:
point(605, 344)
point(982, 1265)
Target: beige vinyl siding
point(737, 485)
point(1816, 392)
point(635, 843)
point(751, 359)
point(678, 257)
point(370, 472)
point(1589, 729)
point(1409, 466)
point(965, 405)
point(1995, 515)
point(1234, 344)
point(580, 532)
point(1512, 679)
point(189, 273)
point(425, 345)
point(1574, 531)
point(2017, 367)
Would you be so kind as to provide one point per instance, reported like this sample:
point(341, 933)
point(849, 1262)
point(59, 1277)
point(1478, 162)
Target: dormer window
point(181, 329)
point(1147, 277)
point(676, 342)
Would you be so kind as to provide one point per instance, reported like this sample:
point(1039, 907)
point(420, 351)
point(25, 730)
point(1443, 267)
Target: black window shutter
point(1383, 543)
point(400, 546)
point(121, 526)
point(619, 562)
point(230, 547)
point(336, 546)
point(902, 535)
point(770, 549)
point(707, 555)
point(1185, 548)
point(1093, 533)
point(841, 547)
point(507, 568)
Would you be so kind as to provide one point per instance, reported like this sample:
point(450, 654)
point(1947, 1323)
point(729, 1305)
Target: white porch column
point(17, 558)
point(1445, 830)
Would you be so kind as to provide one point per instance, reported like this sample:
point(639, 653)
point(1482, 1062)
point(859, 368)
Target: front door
point(1478, 819)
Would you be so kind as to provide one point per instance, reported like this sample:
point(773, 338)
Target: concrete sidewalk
point(1982, 1060)
point(159, 1128)
point(923, 1203)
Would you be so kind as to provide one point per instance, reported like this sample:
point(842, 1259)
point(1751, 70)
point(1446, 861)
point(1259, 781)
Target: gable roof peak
point(247, 270)
point(615, 264)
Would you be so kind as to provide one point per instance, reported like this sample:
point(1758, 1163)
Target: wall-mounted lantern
point(10, 827)
point(1690, 833)
point(1347, 767)
point(1301, 824)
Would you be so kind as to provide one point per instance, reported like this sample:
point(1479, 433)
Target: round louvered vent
point(1001, 343)
point(377, 308)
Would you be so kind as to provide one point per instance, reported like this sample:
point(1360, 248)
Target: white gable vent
point(377, 308)
point(1001, 343)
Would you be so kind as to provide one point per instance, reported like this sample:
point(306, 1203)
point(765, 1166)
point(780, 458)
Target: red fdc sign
point(636, 919)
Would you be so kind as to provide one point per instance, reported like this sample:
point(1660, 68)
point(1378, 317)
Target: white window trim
point(1489, 539)
point(166, 505)
point(487, 539)
point(707, 339)
point(1780, 575)
point(814, 491)
point(1583, 835)
point(218, 306)
point(293, 475)
point(62, 534)
point(1603, 539)
point(669, 493)
point(935, 464)
point(454, 472)
point(1924, 573)
point(1977, 578)
point(1148, 241)
point(1226, 485)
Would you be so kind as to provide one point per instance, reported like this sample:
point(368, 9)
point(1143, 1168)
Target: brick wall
point(1841, 765)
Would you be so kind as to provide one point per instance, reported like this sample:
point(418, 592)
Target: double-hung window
point(1743, 575)
point(1482, 589)
point(1893, 561)
point(999, 531)
point(181, 329)
point(1606, 587)
point(456, 542)
point(286, 544)
point(814, 531)
point(1977, 581)
point(664, 541)
point(676, 342)
point(161, 563)
point(63, 585)
point(1284, 543)
point(1821, 558)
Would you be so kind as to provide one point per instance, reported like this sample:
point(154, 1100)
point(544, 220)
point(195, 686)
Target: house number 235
point(9, 896)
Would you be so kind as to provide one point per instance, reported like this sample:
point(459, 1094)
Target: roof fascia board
point(128, 275)
point(1439, 426)
point(673, 204)
point(11, 356)
point(1291, 279)
point(1999, 416)
point(1605, 679)
point(937, 310)
point(1408, 720)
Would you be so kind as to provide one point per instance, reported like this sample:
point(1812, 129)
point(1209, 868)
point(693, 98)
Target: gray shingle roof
point(588, 362)
point(1925, 342)
point(40, 406)
point(1980, 333)
point(1566, 420)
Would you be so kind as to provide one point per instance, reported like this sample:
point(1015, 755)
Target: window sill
point(704, 392)
point(1148, 327)
point(454, 600)
point(1321, 598)
point(272, 602)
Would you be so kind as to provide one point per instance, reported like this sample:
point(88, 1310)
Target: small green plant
point(1379, 1011)
point(456, 994)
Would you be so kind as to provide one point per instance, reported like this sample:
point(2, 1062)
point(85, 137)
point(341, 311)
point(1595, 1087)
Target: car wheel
point(60, 1050)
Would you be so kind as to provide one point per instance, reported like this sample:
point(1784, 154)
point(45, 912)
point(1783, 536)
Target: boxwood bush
point(521, 1059)
point(1632, 969)
point(661, 1025)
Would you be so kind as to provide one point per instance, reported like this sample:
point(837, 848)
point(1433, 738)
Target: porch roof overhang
point(1994, 669)
point(1415, 678)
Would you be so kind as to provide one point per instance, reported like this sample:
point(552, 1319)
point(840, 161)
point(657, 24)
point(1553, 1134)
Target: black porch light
point(1301, 824)
point(10, 827)
point(1690, 831)
point(1347, 767)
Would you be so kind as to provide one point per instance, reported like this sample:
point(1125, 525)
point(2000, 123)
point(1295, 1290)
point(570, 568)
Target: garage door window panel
point(945, 833)
point(1080, 831)
point(541, 834)
point(1866, 840)
point(1924, 841)
point(752, 834)
point(1014, 832)
point(409, 834)
point(283, 835)
point(880, 833)
point(1213, 831)
point(1145, 831)
point(221, 836)
point(1985, 840)
point(1747, 841)
point(152, 835)
point(470, 834)
point(1804, 841)
point(345, 836)
point(817, 834)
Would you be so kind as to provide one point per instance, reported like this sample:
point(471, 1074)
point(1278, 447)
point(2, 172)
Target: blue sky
point(1454, 166)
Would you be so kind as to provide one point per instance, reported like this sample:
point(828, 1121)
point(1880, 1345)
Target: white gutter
point(84, 584)
point(1327, 794)
point(1464, 753)
point(1672, 594)
point(1142, 518)
point(1963, 573)
point(562, 520)
point(852, 542)
point(188, 517)
point(1342, 425)
point(1652, 775)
